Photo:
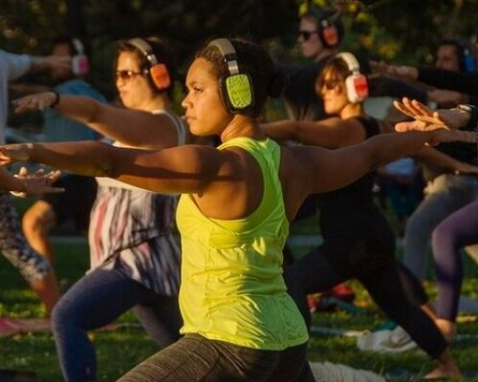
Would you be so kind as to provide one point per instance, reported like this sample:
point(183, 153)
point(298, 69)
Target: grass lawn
point(119, 350)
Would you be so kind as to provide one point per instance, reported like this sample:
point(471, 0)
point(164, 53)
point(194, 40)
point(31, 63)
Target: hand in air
point(38, 183)
point(33, 102)
point(14, 153)
point(427, 119)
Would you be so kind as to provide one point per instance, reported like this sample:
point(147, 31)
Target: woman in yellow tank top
point(239, 322)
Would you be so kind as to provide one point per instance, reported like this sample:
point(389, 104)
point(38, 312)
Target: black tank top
point(356, 195)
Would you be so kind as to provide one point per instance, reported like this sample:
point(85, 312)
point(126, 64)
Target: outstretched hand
point(427, 119)
point(38, 183)
point(34, 102)
point(14, 153)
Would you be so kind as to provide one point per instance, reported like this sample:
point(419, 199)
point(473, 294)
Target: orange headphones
point(158, 71)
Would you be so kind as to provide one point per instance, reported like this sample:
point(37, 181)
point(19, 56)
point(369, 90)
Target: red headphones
point(356, 84)
point(328, 22)
point(328, 33)
point(157, 70)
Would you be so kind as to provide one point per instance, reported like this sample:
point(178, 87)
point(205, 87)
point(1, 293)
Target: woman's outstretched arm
point(132, 127)
point(331, 132)
point(327, 170)
point(184, 169)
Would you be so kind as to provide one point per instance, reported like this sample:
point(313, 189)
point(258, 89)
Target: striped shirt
point(133, 228)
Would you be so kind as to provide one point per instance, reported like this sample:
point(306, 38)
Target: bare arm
point(431, 155)
point(9, 182)
point(131, 127)
point(330, 132)
point(185, 169)
point(42, 63)
point(327, 170)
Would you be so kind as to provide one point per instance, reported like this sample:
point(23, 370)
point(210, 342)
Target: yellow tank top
point(232, 288)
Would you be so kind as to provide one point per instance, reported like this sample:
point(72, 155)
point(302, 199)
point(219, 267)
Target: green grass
point(121, 349)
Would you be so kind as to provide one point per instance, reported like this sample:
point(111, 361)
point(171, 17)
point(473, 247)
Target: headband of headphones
point(356, 84)
point(158, 71)
point(350, 61)
point(79, 62)
point(78, 45)
point(236, 88)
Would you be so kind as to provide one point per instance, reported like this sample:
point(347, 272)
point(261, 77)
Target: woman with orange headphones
point(134, 253)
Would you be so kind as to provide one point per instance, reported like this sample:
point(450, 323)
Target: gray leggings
point(14, 246)
point(197, 359)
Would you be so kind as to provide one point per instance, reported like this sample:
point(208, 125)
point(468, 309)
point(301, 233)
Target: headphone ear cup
point(468, 59)
point(237, 93)
point(160, 76)
point(357, 87)
point(80, 65)
point(330, 35)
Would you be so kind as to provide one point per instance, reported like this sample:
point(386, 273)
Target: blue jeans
point(444, 195)
point(95, 301)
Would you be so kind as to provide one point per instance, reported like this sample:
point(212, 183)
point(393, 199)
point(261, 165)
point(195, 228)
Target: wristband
point(57, 98)
point(473, 111)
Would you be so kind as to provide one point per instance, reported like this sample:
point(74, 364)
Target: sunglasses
point(330, 84)
point(126, 75)
point(306, 34)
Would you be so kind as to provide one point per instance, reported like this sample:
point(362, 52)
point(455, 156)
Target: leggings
point(369, 259)
point(95, 301)
point(197, 359)
point(14, 246)
point(459, 230)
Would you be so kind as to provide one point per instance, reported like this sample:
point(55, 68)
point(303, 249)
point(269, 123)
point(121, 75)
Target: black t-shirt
point(356, 195)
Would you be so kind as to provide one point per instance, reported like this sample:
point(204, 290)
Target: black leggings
point(197, 359)
point(366, 254)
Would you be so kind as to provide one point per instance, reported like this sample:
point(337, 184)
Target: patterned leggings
point(14, 246)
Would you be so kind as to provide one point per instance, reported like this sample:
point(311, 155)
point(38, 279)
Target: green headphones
point(236, 88)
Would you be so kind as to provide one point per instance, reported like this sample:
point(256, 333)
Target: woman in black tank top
point(358, 242)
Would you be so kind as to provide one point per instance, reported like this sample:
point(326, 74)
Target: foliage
point(396, 30)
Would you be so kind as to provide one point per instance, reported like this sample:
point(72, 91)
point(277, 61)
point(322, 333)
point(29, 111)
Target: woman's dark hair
point(252, 60)
point(336, 69)
point(162, 53)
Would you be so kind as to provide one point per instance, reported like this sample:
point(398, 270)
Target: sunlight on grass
point(129, 344)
